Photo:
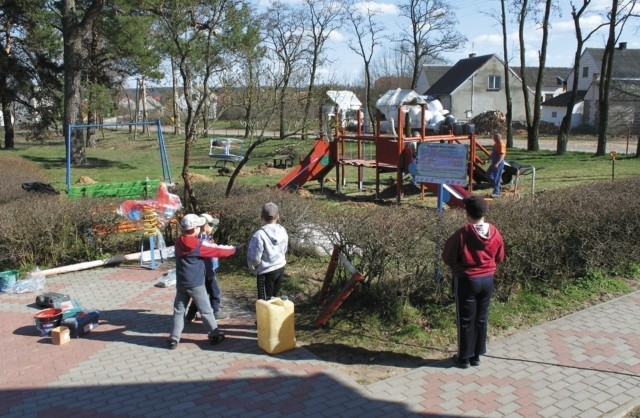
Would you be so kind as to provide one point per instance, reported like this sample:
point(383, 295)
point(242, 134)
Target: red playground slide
point(314, 166)
point(452, 195)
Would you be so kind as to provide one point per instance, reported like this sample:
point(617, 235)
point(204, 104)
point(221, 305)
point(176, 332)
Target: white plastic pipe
point(113, 260)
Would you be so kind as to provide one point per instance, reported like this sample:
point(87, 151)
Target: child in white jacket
point(266, 252)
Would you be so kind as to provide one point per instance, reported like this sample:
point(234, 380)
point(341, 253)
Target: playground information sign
point(442, 164)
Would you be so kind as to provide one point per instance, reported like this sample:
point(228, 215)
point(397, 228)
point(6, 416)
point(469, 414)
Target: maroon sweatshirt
point(470, 254)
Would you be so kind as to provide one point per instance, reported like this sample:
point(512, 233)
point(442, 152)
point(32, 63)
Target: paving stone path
point(583, 365)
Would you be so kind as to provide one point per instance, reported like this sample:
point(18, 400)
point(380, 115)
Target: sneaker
point(172, 344)
point(463, 364)
point(216, 336)
point(221, 315)
point(474, 361)
point(494, 195)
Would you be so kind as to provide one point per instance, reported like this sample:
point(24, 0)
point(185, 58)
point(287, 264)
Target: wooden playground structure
point(393, 154)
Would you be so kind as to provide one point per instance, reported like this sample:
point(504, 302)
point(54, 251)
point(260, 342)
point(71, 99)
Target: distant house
point(475, 85)
point(554, 109)
point(429, 74)
point(554, 80)
point(624, 96)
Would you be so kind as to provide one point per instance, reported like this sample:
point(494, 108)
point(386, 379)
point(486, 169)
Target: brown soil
point(265, 169)
point(199, 178)
point(85, 180)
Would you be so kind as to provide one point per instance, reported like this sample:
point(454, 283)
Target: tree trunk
point(145, 128)
point(72, 97)
point(310, 89)
point(73, 31)
point(176, 110)
point(525, 90)
point(191, 203)
point(507, 84)
point(563, 134)
point(605, 82)
point(9, 132)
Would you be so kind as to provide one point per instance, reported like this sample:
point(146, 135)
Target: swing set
point(129, 189)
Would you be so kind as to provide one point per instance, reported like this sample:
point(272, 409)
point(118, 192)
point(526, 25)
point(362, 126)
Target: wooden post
point(356, 278)
point(333, 263)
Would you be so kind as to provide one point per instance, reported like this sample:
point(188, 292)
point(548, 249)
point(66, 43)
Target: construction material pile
point(490, 121)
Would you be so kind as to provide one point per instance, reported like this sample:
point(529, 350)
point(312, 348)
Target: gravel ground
point(617, 145)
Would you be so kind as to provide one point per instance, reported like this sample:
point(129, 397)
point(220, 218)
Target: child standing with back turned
point(266, 252)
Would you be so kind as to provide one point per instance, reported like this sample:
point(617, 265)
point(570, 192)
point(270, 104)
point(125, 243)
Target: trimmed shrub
point(551, 239)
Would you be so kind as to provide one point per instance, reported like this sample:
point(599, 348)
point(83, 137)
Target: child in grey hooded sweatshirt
point(266, 252)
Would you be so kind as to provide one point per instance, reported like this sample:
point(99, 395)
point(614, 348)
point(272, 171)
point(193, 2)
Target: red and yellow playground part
point(392, 154)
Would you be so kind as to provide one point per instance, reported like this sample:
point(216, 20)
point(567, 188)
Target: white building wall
point(593, 67)
point(474, 94)
point(554, 114)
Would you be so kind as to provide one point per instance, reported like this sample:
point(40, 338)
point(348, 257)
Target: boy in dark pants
point(211, 268)
point(190, 253)
point(473, 252)
point(266, 252)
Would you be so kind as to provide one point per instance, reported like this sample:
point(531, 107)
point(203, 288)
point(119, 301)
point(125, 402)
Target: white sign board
point(442, 163)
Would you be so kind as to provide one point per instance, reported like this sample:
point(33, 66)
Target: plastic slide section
point(452, 195)
point(313, 167)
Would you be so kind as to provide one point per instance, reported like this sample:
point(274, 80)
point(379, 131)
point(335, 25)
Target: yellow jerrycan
point(276, 331)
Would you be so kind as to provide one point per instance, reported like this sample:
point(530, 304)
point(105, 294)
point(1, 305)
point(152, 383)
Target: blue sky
point(478, 21)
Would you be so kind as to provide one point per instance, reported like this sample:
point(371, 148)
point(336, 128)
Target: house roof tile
point(457, 74)
point(626, 62)
point(563, 99)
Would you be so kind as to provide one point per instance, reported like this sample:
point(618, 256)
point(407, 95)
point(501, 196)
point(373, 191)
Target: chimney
point(472, 55)
point(622, 46)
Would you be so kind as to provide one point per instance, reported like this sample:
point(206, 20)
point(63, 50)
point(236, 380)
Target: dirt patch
point(265, 170)
point(86, 180)
point(199, 178)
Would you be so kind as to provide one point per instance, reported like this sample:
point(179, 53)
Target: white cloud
point(337, 36)
point(378, 8)
point(485, 40)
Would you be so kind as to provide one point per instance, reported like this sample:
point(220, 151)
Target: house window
point(548, 96)
point(494, 82)
point(585, 72)
point(554, 114)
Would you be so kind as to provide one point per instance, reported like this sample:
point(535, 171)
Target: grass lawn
point(118, 157)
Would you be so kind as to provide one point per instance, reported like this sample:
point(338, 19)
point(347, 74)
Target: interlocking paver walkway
point(583, 365)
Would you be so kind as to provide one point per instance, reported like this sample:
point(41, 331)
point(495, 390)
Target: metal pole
point(67, 135)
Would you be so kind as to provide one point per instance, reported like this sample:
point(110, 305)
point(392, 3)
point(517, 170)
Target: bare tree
point(285, 33)
point(430, 33)
point(618, 16)
point(325, 17)
point(74, 30)
point(565, 125)
point(392, 62)
point(533, 119)
point(195, 36)
point(507, 72)
point(366, 39)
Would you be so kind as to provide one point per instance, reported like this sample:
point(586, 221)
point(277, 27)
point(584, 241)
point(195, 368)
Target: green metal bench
point(129, 189)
